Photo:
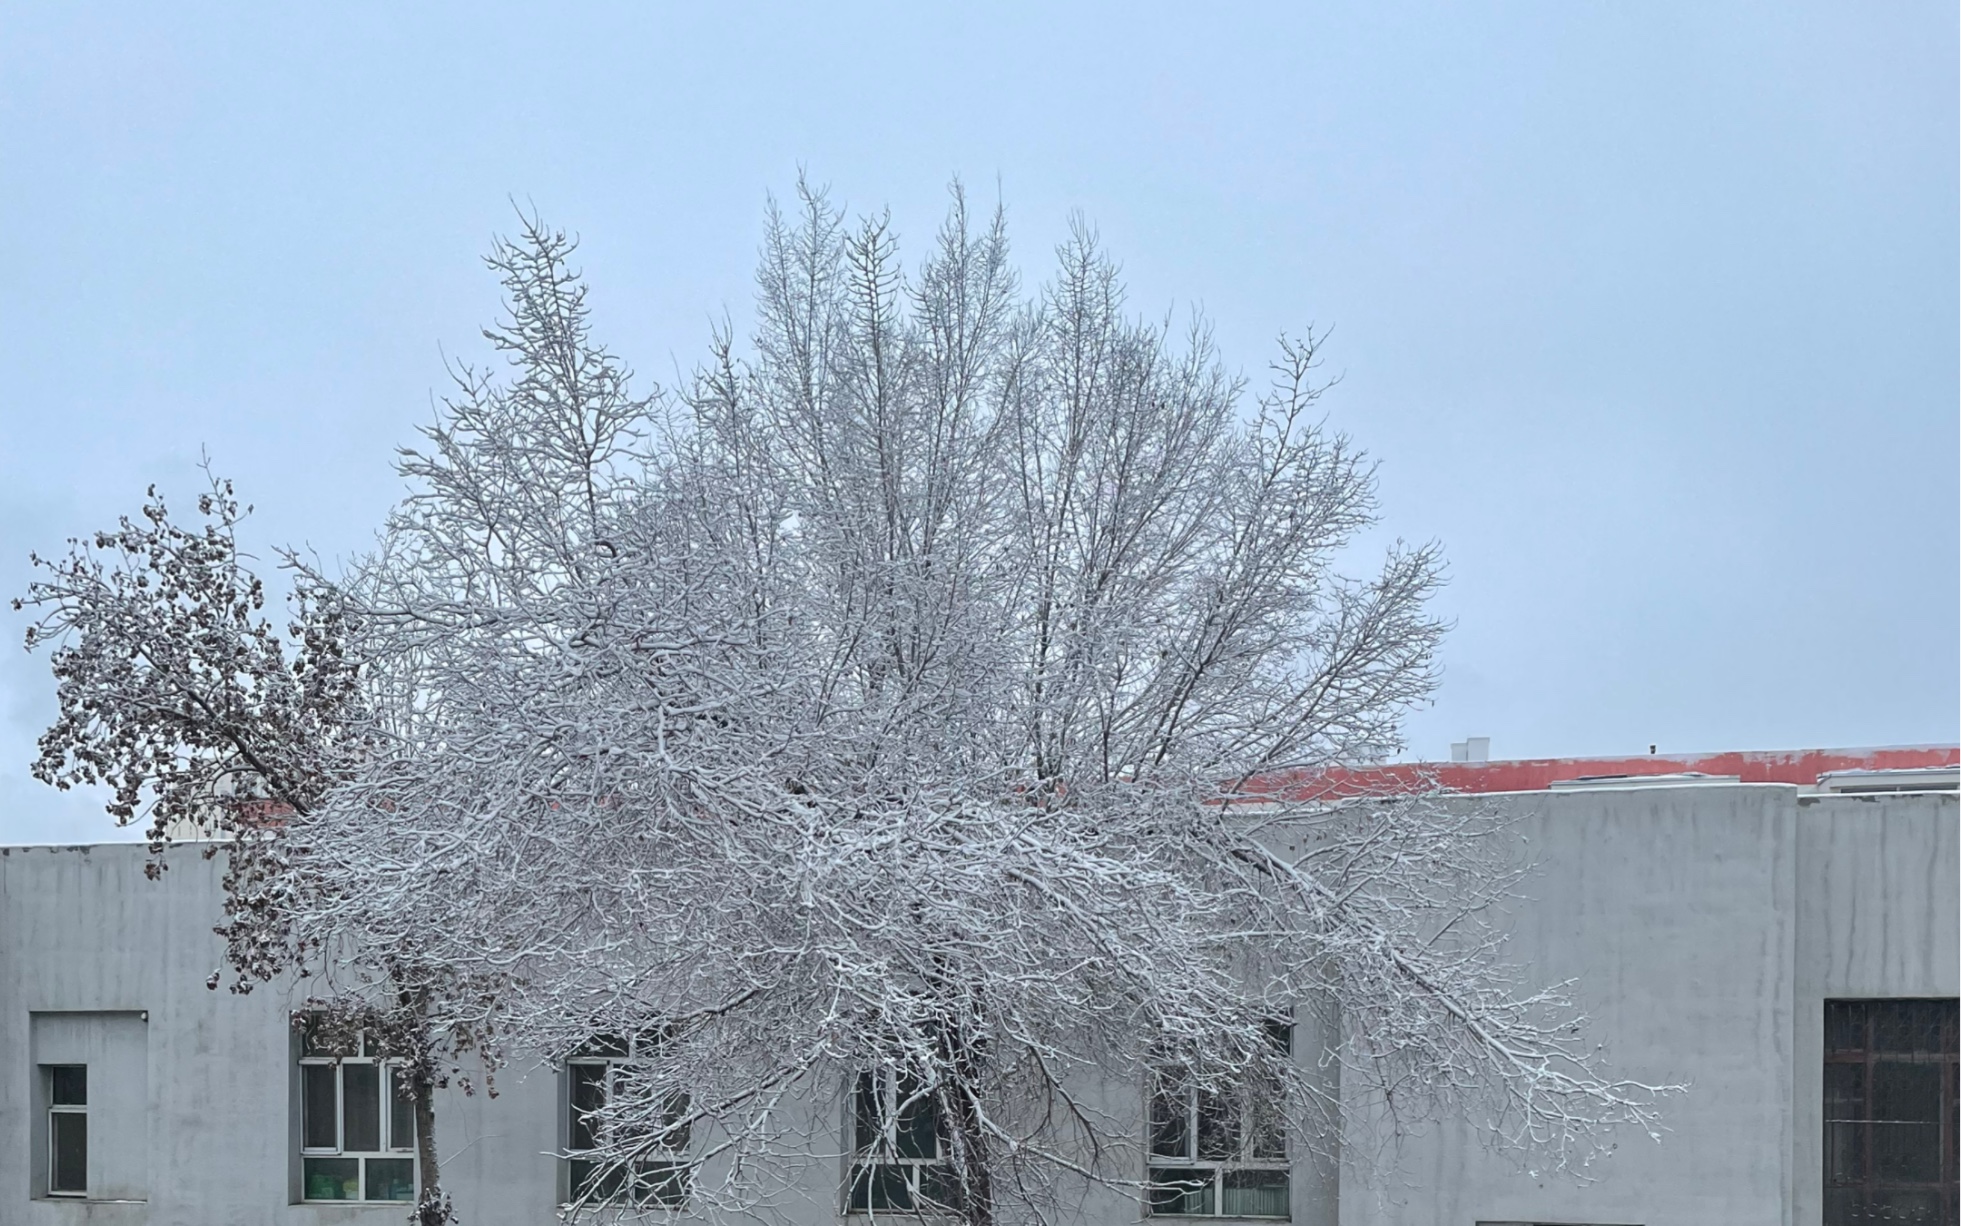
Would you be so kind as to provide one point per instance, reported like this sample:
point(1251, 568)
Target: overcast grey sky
point(1648, 310)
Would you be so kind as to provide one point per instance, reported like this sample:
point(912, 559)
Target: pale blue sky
point(1649, 310)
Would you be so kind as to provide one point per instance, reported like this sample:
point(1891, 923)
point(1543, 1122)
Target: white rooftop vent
point(1471, 749)
point(1684, 779)
point(1911, 779)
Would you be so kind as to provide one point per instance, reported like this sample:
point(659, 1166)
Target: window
point(1890, 1111)
point(603, 1074)
point(68, 1128)
point(357, 1125)
point(1219, 1154)
point(898, 1145)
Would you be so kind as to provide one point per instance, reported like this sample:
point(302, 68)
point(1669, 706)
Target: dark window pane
point(891, 1187)
point(1909, 1025)
point(69, 1137)
point(1280, 1033)
point(1901, 1207)
point(1903, 1091)
point(597, 1180)
point(676, 1130)
point(936, 1184)
point(1845, 1025)
point(361, 1103)
point(1845, 1153)
point(1267, 1129)
point(1181, 1191)
point(1845, 1091)
point(69, 1085)
point(588, 1094)
point(660, 1183)
point(319, 1107)
point(331, 1178)
point(919, 1121)
point(1171, 1123)
point(1218, 1127)
point(401, 1110)
point(865, 1113)
point(391, 1179)
point(1254, 1194)
point(1907, 1152)
point(879, 1187)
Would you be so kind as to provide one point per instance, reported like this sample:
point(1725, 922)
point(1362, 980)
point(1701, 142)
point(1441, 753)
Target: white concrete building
point(1792, 952)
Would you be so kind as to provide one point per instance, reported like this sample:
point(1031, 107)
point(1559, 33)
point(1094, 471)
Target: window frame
point(882, 1149)
point(1867, 1056)
point(1160, 1084)
point(664, 1182)
point(58, 1110)
point(389, 1110)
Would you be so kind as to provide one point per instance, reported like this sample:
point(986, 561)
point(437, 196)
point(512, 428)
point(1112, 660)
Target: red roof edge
point(1801, 767)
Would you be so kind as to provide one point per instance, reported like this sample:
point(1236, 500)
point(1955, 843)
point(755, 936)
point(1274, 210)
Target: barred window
point(357, 1124)
point(1219, 1154)
point(603, 1074)
point(1890, 1112)
point(899, 1144)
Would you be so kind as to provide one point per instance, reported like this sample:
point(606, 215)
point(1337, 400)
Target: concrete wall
point(1706, 926)
point(1877, 881)
point(83, 932)
point(1672, 908)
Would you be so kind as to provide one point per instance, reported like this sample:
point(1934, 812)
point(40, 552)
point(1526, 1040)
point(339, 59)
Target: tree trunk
point(432, 1208)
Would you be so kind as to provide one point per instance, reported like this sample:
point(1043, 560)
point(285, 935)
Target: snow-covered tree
point(894, 713)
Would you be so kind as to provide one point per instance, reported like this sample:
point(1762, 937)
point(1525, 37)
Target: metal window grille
point(1890, 1112)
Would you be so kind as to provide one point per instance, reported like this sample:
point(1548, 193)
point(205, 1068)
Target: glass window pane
point(1845, 1025)
point(1181, 1191)
point(588, 1092)
point(69, 1142)
point(597, 1181)
point(936, 1184)
point(1902, 1091)
point(865, 1113)
point(391, 1179)
point(676, 1131)
point(919, 1121)
point(401, 1110)
point(1845, 1091)
point(1254, 1194)
point(1171, 1132)
point(320, 1108)
point(69, 1085)
point(1280, 1033)
point(361, 1104)
point(891, 1187)
point(1901, 1207)
point(879, 1187)
point(1907, 1152)
point(1218, 1127)
point(1845, 1153)
point(331, 1178)
point(1908, 1025)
